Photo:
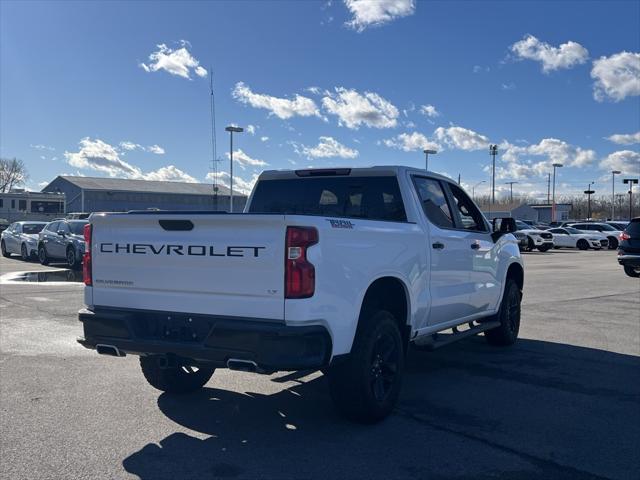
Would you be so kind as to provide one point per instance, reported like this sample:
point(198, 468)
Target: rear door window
point(633, 229)
point(372, 198)
point(434, 201)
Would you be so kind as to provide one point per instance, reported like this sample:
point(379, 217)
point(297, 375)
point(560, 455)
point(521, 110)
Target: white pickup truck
point(334, 269)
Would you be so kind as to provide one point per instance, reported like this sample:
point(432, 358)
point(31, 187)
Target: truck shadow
point(467, 411)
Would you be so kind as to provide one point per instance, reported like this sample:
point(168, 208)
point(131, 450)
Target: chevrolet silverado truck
point(338, 270)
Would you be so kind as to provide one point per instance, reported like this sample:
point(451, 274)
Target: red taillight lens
point(624, 236)
point(300, 274)
point(86, 259)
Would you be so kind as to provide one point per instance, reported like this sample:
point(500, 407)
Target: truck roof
point(379, 170)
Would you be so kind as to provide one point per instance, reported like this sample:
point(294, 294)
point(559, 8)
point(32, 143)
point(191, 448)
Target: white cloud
point(429, 111)
point(283, 108)
point(178, 62)
point(264, 139)
point(100, 156)
point(43, 147)
point(244, 160)
point(552, 58)
point(157, 149)
point(328, 147)
point(127, 146)
point(625, 138)
point(627, 161)
point(170, 173)
point(411, 142)
point(616, 77)
point(354, 109)
point(240, 185)
point(461, 138)
point(251, 129)
point(368, 13)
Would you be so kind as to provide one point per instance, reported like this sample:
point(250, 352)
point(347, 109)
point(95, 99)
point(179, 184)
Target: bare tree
point(12, 173)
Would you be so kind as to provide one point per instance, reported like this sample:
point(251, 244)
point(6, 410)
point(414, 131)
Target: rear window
point(373, 198)
point(633, 228)
point(32, 228)
point(77, 228)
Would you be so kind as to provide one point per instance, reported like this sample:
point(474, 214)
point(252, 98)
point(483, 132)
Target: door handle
point(475, 246)
point(438, 246)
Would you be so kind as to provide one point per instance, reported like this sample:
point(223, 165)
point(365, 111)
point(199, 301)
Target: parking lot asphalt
point(564, 402)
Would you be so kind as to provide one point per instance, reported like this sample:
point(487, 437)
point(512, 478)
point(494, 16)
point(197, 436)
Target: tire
point(174, 379)
point(631, 271)
point(613, 243)
point(544, 248)
point(509, 316)
point(3, 248)
point(72, 258)
point(24, 253)
point(42, 255)
point(365, 387)
point(582, 244)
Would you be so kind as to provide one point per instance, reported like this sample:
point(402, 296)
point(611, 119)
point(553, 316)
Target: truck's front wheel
point(508, 316)
point(365, 387)
point(180, 379)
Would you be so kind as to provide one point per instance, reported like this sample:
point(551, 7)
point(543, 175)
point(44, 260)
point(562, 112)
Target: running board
point(437, 340)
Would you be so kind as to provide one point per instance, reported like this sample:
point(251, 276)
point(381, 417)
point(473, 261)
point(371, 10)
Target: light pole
point(613, 193)
point(493, 151)
point(231, 129)
point(510, 190)
point(426, 157)
point(630, 181)
point(473, 189)
point(553, 198)
point(589, 192)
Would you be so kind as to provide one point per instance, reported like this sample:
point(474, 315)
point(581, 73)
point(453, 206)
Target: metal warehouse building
point(95, 194)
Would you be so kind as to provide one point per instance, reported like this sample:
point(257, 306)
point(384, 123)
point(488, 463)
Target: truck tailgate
point(217, 264)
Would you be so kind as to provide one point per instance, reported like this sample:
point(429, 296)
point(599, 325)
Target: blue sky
point(120, 89)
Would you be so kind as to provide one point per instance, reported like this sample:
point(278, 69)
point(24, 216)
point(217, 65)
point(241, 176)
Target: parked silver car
point(21, 238)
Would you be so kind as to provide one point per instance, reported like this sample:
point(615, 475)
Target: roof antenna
point(214, 152)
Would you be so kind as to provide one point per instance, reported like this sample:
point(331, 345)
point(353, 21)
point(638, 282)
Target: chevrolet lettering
point(169, 249)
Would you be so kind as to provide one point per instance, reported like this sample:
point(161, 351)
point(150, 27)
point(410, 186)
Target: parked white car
point(611, 233)
point(540, 239)
point(21, 238)
point(569, 237)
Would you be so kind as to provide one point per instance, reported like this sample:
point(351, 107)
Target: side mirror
point(504, 225)
point(61, 233)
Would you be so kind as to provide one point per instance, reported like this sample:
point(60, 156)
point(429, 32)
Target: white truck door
point(485, 282)
point(449, 254)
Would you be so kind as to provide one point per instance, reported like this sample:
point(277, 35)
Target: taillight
point(86, 258)
point(624, 236)
point(299, 273)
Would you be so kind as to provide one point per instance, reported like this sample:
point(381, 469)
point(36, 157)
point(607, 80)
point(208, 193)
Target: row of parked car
point(569, 234)
point(59, 240)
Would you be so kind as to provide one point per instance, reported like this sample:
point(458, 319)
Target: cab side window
point(434, 201)
point(469, 215)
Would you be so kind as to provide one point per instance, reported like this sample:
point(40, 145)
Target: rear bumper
point(211, 340)
point(629, 260)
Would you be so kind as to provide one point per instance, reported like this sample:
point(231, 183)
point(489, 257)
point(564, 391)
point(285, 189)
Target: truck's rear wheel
point(631, 271)
point(182, 379)
point(508, 316)
point(365, 387)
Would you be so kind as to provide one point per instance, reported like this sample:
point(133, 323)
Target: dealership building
point(96, 194)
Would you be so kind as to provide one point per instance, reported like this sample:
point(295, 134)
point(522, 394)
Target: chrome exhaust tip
point(242, 365)
point(110, 350)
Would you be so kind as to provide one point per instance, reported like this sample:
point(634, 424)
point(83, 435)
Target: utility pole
point(553, 204)
point(549, 188)
point(231, 129)
point(613, 193)
point(426, 157)
point(473, 189)
point(214, 149)
point(510, 190)
point(588, 191)
point(458, 179)
point(493, 151)
point(630, 182)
